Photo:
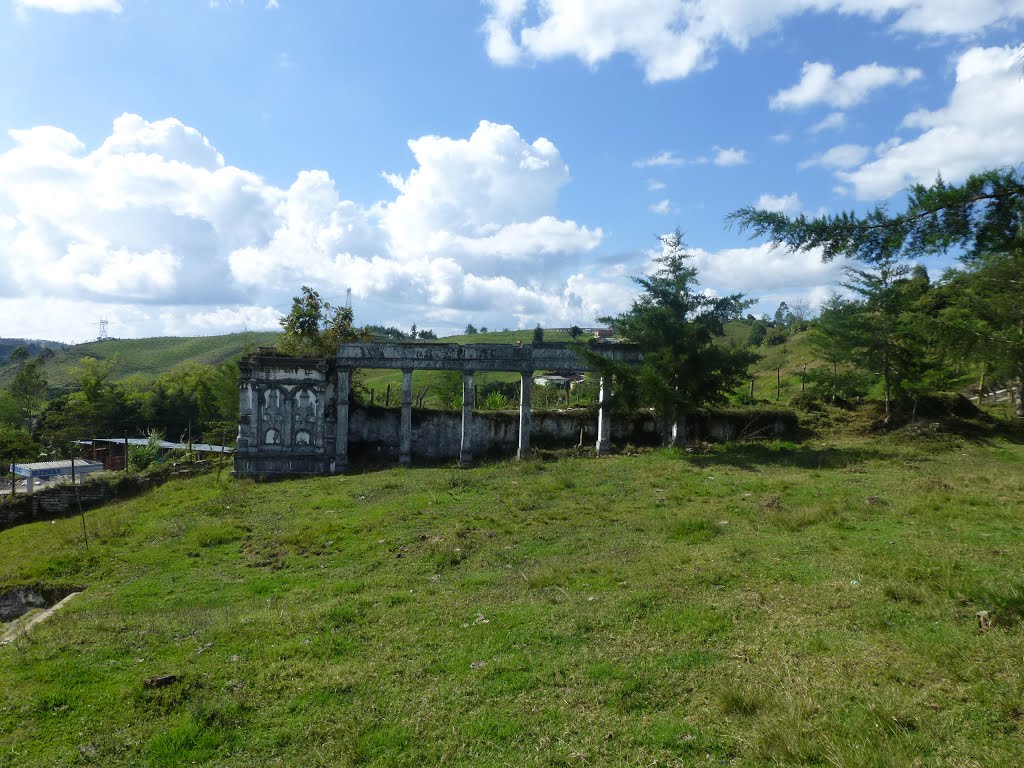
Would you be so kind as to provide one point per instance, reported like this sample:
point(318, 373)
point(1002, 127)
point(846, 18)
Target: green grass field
point(763, 604)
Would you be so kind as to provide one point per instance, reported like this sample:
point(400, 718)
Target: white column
point(679, 432)
point(405, 430)
point(466, 451)
point(341, 425)
point(525, 411)
point(604, 423)
point(28, 485)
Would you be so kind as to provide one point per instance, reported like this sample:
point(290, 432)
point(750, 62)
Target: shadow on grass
point(782, 454)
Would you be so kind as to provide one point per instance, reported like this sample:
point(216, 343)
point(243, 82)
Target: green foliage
point(774, 336)
point(676, 325)
point(903, 334)
point(145, 358)
point(984, 316)
point(448, 389)
point(470, 329)
point(538, 335)
point(142, 457)
point(16, 445)
point(26, 392)
point(835, 383)
point(982, 215)
point(495, 401)
point(314, 327)
point(758, 332)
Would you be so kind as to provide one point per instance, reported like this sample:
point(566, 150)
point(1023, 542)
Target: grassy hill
point(33, 346)
point(148, 357)
point(768, 604)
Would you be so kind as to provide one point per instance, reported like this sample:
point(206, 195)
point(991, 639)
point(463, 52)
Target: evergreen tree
point(676, 324)
point(538, 335)
point(982, 219)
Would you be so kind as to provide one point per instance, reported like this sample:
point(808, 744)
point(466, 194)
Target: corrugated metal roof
point(55, 468)
point(164, 444)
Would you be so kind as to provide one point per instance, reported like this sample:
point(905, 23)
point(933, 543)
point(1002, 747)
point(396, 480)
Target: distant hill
point(34, 346)
point(151, 357)
point(147, 357)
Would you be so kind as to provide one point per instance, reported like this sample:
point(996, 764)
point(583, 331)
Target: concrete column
point(678, 432)
point(245, 418)
point(344, 390)
point(525, 411)
point(604, 423)
point(405, 432)
point(28, 485)
point(466, 451)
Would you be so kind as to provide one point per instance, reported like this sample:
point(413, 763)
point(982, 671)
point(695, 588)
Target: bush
point(495, 401)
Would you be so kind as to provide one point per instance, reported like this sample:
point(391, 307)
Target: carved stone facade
point(294, 412)
point(286, 422)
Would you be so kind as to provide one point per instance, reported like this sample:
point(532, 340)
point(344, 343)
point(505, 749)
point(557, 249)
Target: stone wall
point(437, 435)
point(59, 501)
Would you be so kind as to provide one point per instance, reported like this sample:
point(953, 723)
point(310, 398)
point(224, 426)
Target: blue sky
point(184, 167)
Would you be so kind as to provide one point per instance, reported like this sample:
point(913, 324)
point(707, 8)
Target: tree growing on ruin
point(314, 327)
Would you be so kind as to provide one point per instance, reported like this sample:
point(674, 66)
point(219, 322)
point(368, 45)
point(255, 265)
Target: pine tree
point(676, 324)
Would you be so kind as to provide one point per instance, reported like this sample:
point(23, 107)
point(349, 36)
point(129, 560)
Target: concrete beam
point(477, 357)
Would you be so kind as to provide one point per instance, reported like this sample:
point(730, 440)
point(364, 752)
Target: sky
point(183, 167)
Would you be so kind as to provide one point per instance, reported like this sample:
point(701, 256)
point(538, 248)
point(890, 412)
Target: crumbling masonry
point(294, 412)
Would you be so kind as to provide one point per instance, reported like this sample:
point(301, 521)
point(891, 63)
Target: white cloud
point(787, 204)
point(661, 207)
point(841, 156)
point(155, 219)
point(70, 6)
point(761, 268)
point(765, 274)
point(781, 138)
point(654, 185)
point(982, 126)
point(819, 84)
point(730, 156)
point(661, 160)
point(832, 121)
point(673, 38)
